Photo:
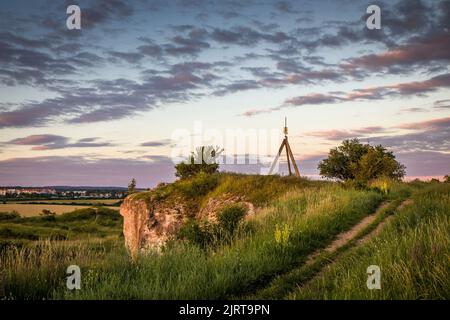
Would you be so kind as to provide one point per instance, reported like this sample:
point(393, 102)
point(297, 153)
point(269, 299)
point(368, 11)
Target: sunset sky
point(99, 106)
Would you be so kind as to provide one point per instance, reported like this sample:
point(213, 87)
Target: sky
point(119, 98)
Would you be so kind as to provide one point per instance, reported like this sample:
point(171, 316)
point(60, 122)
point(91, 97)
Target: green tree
point(46, 213)
point(202, 160)
point(132, 186)
point(447, 178)
point(361, 162)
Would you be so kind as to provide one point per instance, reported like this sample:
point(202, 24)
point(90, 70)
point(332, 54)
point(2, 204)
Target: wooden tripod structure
point(289, 155)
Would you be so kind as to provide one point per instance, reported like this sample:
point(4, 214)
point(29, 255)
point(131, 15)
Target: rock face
point(150, 223)
point(213, 206)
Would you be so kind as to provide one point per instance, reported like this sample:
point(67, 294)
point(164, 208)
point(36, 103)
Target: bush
point(204, 160)
point(362, 162)
point(197, 233)
point(80, 214)
point(47, 213)
point(9, 215)
point(229, 218)
point(207, 235)
point(354, 184)
point(382, 185)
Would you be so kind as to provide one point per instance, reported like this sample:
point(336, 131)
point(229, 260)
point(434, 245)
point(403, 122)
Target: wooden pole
point(287, 155)
point(297, 173)
point(276, 158)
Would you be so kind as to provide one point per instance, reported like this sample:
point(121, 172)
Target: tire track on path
point(317, 261)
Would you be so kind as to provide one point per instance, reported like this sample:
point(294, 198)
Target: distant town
point(62, 192)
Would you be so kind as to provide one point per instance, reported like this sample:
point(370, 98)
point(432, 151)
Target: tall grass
point(37, 271)
point(413, 253)
point(80, 224)
point(184, 271)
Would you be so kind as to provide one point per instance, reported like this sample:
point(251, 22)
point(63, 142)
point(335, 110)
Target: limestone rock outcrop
point(150, 222)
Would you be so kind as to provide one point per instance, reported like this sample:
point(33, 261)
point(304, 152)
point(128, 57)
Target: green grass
point(187, 272)
point(184, 271)
point(79, 224)
point(295, 217)
point(37, 270)
point(413, 253)
point(258, 189)
point(285, 283)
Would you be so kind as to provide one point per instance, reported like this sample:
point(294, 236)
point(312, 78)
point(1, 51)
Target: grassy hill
point(267, 256)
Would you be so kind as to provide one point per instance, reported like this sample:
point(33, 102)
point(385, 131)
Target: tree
point(361, 162)
point(47, 213)
point(132, 186)
point(202, 160)
point(447, 178)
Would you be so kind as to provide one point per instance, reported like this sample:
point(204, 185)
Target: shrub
point(132, 186)
point(382, 184)
point(229, 218)
point(47, 213)
point(197, 233)
point(207, 235)
point(203, 160)
point(9, 215)
point(80, 214)
point(362, 162)
point(354, 184)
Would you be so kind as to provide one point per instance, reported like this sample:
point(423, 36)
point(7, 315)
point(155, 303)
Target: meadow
point(296, 222)
point(70, 201)
point(32, 209)
point(413, 252)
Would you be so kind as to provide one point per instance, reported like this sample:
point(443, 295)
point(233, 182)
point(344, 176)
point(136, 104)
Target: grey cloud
point(38, 139)
point(108, 100)
point(246, 36)
point(442, 104)
point(429, 135)
point(239, 85)
point(103, 10)
point(285, 7)
point(192, 44)
point(51, 142)
point(375, 93)
point(159, 143)
point(130, 57)
point(339, 135)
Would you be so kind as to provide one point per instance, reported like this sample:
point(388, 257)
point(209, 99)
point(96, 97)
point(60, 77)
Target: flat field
point(30, 210)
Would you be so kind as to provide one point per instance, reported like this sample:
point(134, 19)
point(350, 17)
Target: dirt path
point(318, 261)
point(381, 225)
point(348, 235)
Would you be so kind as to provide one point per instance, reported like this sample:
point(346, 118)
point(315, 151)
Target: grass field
point(296, 222)
point(413, 253)
point(29, 210)
point(71, 201)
